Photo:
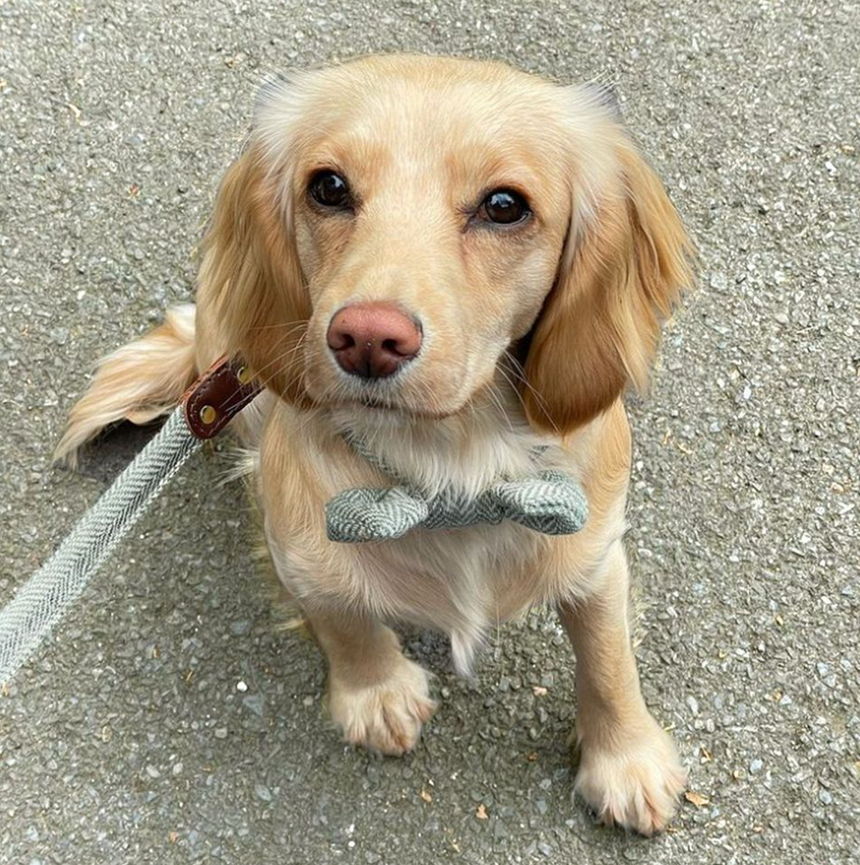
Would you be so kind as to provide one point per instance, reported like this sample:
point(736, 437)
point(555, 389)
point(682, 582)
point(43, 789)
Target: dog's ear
point(622, 271)
point(251, 286)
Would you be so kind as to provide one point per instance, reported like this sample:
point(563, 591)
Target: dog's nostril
point(339, 337)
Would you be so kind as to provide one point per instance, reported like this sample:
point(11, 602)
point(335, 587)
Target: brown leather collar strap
point(218, 396)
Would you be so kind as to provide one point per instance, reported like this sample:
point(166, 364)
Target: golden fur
point(531, 335)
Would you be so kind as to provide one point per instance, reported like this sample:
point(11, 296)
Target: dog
point(463, 266)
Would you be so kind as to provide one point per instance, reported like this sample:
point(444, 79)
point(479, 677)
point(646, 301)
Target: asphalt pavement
point(168, 720)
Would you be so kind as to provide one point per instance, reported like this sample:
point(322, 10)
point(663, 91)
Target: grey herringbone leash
point(41, 602)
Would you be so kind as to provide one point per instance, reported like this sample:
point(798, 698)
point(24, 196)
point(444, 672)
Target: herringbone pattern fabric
point(550, 502)
point(41, 602)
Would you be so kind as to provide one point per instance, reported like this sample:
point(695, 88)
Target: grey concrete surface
point(168, 721)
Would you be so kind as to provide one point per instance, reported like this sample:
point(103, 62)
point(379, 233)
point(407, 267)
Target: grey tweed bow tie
point(550, 502)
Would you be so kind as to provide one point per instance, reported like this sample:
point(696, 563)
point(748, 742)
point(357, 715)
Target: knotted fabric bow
point(550, 502)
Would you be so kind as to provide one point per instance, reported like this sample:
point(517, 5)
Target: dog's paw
point(385, 716)
point(634, 783)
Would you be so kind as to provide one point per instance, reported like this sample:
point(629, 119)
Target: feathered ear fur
point(251, 286)
point(620, 277)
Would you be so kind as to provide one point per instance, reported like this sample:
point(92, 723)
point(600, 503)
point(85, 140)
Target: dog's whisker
point(496, 399)
point(520, 375)
point(302, 322)
point(289, 353)
point(513, 386)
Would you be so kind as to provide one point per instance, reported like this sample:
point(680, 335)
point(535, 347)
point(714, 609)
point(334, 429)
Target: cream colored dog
point(458, 262)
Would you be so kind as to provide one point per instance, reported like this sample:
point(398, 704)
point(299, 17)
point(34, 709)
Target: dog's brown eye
point(330, 190)
point(504, 207)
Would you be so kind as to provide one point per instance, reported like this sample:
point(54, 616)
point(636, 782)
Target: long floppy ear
point(618, 281)
point(251, 287)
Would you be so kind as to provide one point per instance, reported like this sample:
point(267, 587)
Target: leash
point(205, 409)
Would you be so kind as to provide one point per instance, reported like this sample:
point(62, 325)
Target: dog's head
point(397, 227)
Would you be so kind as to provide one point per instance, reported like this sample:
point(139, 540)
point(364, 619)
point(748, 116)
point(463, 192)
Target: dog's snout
point(373, 340)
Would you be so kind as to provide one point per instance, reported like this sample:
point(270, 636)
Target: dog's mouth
point(382, 405)
point(374, 402)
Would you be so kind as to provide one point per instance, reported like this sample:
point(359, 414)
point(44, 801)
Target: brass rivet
point(244, 374)
point(208, 415)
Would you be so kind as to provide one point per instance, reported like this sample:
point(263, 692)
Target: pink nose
point(373, 340)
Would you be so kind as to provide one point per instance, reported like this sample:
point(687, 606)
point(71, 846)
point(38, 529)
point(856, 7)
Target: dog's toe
point(385, 716)
point(635, 783)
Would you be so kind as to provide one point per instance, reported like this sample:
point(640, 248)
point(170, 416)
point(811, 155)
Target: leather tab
point(218, 396)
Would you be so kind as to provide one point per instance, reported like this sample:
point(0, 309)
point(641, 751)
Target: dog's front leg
point(376, 696)
point(629, 771)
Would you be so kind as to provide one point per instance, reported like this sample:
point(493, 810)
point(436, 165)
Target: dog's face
point(398, 224)
point(434, 202)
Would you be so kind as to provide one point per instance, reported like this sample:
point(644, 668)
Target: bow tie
point(550, 502)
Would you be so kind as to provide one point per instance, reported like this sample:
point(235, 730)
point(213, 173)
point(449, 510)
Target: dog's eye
point(504, 207)
point(330, 190)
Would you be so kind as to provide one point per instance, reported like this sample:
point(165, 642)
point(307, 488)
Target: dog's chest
point(454, 580)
